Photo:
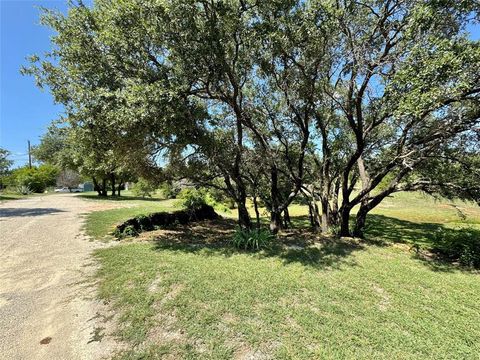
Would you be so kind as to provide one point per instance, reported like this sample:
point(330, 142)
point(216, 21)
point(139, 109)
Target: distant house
point(86, 186)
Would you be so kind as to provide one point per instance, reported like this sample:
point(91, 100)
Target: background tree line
point(336, 103)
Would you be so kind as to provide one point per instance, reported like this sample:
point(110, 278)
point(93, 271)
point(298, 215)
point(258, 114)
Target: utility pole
point(29, 155)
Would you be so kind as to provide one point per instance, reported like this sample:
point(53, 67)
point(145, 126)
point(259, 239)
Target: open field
point(179, 297)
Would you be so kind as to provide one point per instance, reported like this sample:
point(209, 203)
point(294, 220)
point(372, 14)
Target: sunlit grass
point(329, 300)
point(354, 303)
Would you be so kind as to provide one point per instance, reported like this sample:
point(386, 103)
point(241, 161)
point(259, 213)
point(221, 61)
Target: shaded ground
point(18, 212)
point(48, 308)
point(292, 245)
point(394, 230)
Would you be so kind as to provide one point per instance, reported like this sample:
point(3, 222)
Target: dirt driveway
point(47, 308)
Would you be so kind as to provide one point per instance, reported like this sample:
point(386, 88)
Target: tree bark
point(257, 213)
point(275, 212)
point(325, 214)
point(310, 215)
point(360, 221)
point(334, 210)
point(344, 221)
point(365, 208)
point(104, 187)
point(243, 215)
point(112, 180)
point(286, 218)
point(315, 215)
point(275, 221)
point(96, 187)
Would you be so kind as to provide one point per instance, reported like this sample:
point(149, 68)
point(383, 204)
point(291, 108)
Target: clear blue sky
point(25, 111)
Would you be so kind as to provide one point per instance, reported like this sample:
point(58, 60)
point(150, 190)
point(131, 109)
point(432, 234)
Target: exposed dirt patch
point(384, 303)
point(153, 287)
point(166, 329)
point(99, 206)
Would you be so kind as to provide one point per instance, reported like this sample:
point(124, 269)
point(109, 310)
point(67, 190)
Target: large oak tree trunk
point(104, 187)
point(325, 214)
point(334, 210)
point(275, 212)
point(314, 214)
point(365, 208)
point(275, 221)
point(112, 180)
point(286, 219)
point(96, 187)
point(243, 215)
point(344, 220)
point(360, 222)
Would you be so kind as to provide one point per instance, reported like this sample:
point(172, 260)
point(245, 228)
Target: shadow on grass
point(118, 198)
point(392, 230)
point(384, 230)
point(212, 238)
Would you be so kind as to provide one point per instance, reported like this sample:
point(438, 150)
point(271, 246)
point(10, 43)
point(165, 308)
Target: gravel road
point(48, 308)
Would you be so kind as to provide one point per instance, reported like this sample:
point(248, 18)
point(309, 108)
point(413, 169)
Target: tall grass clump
point(252, 239)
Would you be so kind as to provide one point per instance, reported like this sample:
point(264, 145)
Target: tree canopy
point(343, 102)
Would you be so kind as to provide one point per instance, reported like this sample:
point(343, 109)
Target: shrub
point(145, 222)
point(35, 179)
point(461, 245)
point(193, 199)
point(168, 190)
point(130, 231)
point(253, 239)
point(143, 188)
point(134, 226)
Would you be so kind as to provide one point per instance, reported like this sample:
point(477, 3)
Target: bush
point(254, 239)
point(168, 190)
point(461, 245)
point(130, 231)
point(134, 226)
point(145, 222)
point(193, 199)
point(143, 188)
point(35, 179)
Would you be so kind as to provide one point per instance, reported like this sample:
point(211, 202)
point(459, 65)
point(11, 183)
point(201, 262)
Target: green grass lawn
point(179, 299)
point(345, 302)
